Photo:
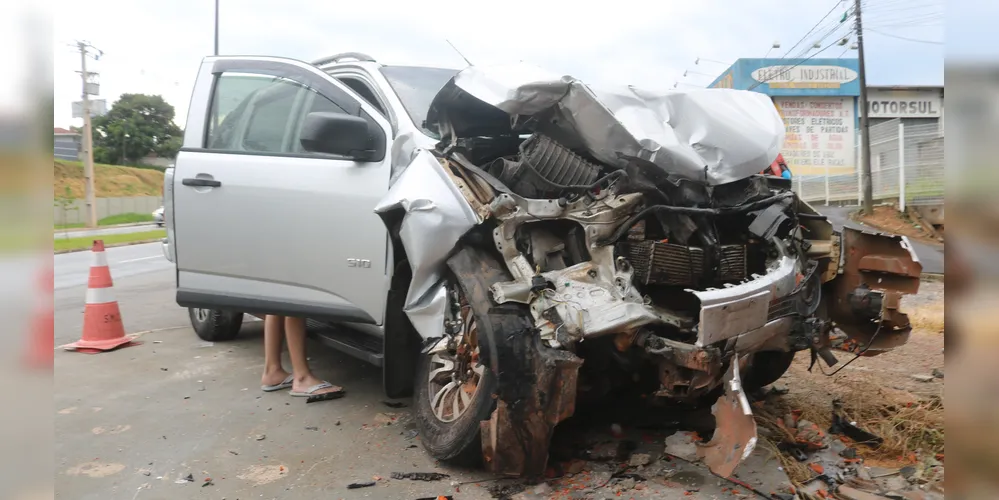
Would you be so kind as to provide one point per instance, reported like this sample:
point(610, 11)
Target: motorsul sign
point(904, 104)
point(804, 77)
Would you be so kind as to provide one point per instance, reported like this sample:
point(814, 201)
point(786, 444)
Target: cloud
point(156, 47)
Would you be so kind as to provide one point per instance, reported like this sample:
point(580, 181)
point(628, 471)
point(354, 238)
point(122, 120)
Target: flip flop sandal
point(311, 393)
point(283, 385)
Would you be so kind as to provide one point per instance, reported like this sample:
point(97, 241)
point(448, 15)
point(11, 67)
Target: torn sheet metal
point(882, 267)
point(436, 217)
point(735, 428)
point(711, 135)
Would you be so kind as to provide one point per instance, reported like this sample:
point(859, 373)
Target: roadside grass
point(109, 180)
point(64, 244)
point(113, 220)
point(929, 317)
point(909, 424)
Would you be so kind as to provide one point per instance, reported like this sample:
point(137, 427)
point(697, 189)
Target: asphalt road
point(133, 423)
point(931, 256)
point(79, 233)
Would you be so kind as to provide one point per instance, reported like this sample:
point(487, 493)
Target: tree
point(135, 126)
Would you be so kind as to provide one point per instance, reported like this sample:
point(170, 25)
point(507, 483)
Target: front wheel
point(214, 325)
point(767, 368)
point(454, 388)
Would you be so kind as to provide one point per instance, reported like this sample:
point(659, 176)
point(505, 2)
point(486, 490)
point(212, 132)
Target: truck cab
point(269, 207)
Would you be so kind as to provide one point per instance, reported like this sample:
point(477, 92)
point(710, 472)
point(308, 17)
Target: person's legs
point(274, 335)
point(294, 329)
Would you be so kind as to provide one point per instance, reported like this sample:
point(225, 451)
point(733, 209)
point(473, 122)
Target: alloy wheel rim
point(456, 373)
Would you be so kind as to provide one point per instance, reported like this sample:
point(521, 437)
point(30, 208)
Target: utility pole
point(88, 141)
point(865, 132)
point(216, 27)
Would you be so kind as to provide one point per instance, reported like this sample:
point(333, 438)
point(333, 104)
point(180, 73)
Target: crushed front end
point(638, 233)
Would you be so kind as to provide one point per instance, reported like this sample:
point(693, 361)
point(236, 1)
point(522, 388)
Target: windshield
point(416, 88)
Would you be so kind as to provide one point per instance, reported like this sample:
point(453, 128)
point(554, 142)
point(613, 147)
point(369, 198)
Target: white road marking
point(140, 258)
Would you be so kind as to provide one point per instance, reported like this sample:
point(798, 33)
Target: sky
point(155, 47)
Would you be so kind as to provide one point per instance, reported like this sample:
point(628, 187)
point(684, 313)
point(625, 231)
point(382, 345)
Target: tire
point(458, 441)
point(767, 368)
point(214, 325)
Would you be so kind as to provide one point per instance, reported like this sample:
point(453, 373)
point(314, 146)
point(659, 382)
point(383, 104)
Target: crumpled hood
point(710, 135)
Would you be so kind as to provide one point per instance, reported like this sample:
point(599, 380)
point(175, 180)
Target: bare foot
point(274, 377)
point(304, 383)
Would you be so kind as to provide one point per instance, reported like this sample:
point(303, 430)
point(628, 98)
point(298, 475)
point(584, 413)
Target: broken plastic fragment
point(735, 434)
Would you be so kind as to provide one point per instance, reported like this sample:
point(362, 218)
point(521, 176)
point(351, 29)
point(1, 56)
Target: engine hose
point(749, 207)
point(581, 188)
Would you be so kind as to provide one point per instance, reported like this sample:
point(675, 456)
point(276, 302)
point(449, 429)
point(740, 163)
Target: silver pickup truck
point(504, 242)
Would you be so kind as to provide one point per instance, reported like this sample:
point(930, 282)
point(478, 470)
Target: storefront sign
point(804, 77)
point(820, 133)
point(904, 103)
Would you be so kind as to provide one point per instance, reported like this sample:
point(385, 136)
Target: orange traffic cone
point(42, 335)
point(102, 327)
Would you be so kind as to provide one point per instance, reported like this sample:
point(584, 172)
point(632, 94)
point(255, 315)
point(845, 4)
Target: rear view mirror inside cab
point(336, 133)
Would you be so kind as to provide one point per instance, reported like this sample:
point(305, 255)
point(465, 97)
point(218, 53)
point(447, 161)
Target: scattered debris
point(420, 476)
point(639, 459)
point(394, 404)
point(233, 452)
point(384, 418)
point(923, 378)
point(261, 437)
point(573, 466)
point(779, 391)
point(337, 423)
point(164, 369)
point(208, 482)
point(438, 497)
point(938, 373)
point(312, 428)
point(840, 425)
point(327, 396)
point(205, 344)
point(735, 434)
point(412, 434)
point(682, 445)
point(849, 493)
point(354, 486)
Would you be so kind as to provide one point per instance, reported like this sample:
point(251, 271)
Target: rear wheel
point(214, 325)
point(454, 386)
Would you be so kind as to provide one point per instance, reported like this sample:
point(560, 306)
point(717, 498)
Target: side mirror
point(336, 133)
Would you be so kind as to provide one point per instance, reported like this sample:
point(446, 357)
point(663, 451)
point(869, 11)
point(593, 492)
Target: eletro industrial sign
point(804, 77)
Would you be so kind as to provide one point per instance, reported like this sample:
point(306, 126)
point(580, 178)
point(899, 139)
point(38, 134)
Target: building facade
point(66, 144)
point(819, 102)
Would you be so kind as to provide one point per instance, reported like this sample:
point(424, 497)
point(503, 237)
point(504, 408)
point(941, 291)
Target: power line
point(831, 32)
point(882, 33)
point(811, 30)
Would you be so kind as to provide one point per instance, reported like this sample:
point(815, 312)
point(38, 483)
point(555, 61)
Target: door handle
point(197, 181)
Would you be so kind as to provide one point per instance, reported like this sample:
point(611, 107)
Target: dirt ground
point(897, 395)
point(889, 219)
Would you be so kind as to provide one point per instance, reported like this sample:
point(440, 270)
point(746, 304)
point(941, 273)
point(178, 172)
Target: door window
point(262, 114)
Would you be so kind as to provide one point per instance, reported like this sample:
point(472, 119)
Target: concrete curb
point(124, 244)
